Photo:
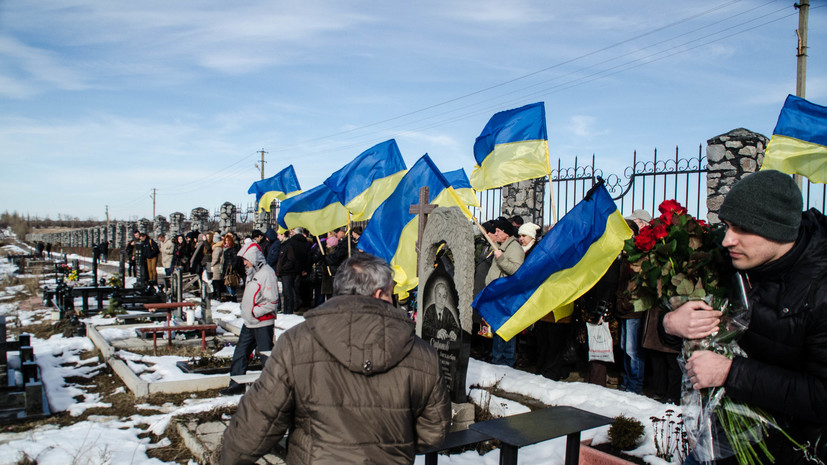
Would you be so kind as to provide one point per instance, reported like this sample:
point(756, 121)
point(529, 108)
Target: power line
point(430, 121)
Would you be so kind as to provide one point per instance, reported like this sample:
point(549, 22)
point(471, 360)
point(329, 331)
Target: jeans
point(504, 352)
point(249, 339)
point(633, 361)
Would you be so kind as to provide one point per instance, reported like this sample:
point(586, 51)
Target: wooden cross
point(423, 208)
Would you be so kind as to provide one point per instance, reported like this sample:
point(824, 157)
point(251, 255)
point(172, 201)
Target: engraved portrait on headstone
point(440, 320)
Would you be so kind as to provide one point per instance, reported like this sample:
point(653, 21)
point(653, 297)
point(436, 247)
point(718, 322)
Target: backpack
point(153, 249)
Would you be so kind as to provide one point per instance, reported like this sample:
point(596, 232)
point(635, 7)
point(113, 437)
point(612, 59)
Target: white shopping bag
point(600, 343)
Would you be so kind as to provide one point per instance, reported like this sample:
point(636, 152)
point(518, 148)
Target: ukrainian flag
point(564, 265)
point(392, 231)
point(512, 147)
point(364, 183)
point(281, 186)
point(459, 181)
point(318, 210)
point(799, 141)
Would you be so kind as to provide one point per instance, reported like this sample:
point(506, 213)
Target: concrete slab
point(204, 440)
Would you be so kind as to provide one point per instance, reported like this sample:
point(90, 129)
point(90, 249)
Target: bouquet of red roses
point(674, 259)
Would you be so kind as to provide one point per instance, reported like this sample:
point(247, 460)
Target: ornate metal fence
point(644, 184)
point(815, 196)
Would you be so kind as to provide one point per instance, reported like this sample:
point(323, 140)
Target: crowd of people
point(777, 250)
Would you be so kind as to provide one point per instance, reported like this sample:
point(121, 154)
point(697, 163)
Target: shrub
point(625, 433)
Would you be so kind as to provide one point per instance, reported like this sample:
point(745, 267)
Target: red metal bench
point(169, 329)
point(168, 307)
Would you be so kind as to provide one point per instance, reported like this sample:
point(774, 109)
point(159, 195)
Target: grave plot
point(175, 367)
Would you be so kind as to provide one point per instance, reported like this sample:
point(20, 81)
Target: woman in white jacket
point(258, 310)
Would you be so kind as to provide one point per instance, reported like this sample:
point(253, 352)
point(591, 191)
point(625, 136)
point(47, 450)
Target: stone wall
point(730, 157)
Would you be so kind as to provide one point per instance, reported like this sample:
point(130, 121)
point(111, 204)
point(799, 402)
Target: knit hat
point(528, 229)
point(505, 226)
point(767, 203)
point(640, 214)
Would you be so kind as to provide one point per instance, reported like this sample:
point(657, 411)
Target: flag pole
point(347, 237)
point(473, 218)
point(321, 247)
point(551, 199)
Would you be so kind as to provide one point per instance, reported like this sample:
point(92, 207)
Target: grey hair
point(363, 274)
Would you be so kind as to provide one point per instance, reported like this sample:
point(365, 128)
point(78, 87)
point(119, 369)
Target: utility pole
point(154, 194)
point(801, 65)
point(262, 162)
point(801, 49)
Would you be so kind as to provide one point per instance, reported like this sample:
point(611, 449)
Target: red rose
point(702, 223)
point(659, 231)
point(671, 206)
point(645, 240)
point(666, 218)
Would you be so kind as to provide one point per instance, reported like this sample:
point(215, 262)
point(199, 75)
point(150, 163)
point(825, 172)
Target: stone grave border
point(143, 388)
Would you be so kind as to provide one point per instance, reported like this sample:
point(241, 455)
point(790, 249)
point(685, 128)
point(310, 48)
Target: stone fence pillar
point(199, 219)
point(227, 221)
point(176, 223)
point(730, 157)
point(161, 226)
point(525, 199)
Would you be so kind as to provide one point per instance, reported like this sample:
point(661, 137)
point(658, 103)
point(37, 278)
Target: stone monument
point(445, 293)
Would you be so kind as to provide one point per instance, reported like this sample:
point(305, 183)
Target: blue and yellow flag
point(282, 185)
point(799, 141)
point(564, 265)
point(512, 147)
point(364, 183)
point(318, 210)
point(459, 181)
point(392, 231)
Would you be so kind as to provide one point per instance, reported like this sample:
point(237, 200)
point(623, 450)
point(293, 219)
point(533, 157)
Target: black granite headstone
point(441, 329)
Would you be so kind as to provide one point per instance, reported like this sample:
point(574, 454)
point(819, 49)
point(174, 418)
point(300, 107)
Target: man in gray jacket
point(353, 383)
point(258, 309)
point(507, 259)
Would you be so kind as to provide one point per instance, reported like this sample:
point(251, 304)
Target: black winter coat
point(294, 257)
point(785, 371)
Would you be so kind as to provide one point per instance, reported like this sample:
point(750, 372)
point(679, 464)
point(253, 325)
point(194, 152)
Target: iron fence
point(644, 184)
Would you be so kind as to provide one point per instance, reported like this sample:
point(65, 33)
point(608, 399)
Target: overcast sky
point(101, 102)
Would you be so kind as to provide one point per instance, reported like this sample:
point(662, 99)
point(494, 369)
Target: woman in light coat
point(216, 265)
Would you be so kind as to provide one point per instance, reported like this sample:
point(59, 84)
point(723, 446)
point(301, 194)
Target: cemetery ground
point(97, 420)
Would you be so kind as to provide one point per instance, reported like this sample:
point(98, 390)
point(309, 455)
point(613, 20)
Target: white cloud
point(582, 126)
point(35, 67)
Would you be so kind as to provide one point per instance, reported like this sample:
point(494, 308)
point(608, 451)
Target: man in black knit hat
point(782, 256)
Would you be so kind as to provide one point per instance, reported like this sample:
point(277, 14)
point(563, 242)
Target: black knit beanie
point(767, 203)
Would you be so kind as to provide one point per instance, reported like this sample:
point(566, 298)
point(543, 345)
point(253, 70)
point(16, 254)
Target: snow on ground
point(93, 442)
